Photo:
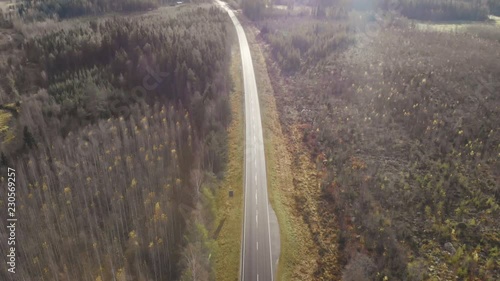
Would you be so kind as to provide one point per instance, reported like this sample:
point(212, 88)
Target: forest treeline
point(435, 10)
point(412, 156)
point(117, 130)
point(36, 9)
point(402, 125)
point(444, 10)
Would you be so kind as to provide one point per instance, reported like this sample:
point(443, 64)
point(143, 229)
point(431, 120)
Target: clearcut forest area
point(116, 127)
point(402, 123)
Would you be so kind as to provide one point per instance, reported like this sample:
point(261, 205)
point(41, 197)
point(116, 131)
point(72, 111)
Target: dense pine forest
point(434, 10)
point(402, 125)
point(116, 128)
point(33, 9)
point(114, 115)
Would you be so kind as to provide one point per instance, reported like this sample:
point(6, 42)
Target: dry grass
point(298, 258)
point(227, 255)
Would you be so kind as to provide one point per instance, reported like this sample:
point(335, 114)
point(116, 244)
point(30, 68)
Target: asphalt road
point(260, 240)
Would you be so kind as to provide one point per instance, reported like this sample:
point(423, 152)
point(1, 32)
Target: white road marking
point(257, 277)
point(257, 246)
